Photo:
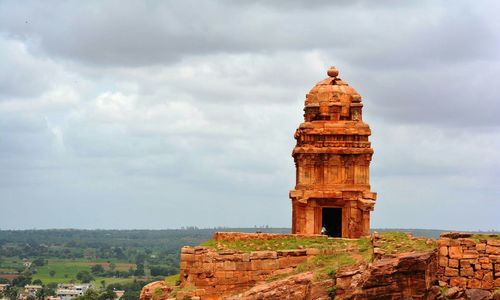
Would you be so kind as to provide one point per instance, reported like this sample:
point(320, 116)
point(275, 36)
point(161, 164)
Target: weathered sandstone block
point(455, 252)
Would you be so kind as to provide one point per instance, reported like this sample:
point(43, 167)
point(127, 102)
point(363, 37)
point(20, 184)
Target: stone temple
point(332, 159)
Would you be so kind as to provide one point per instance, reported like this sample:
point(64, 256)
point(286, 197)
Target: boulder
point(477, 294)
point(157, 290)
point(453, 293)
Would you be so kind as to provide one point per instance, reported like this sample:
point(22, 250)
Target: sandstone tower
point(332, 159)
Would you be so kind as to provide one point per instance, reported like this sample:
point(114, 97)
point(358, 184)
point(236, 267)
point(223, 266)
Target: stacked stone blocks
point(229, 271)
point(211, 273)
point(469, 263)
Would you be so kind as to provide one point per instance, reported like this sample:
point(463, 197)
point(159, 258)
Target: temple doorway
point(332, 221)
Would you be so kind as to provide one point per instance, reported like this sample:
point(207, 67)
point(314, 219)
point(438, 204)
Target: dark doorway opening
point(332, 221)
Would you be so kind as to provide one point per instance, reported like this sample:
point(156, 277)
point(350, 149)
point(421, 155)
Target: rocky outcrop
point(407, 276)
point(459, 293)
point(297, 287)
point(158, 290)
point(464, 266)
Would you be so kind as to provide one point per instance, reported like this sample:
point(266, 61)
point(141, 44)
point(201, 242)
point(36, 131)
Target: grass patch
point(400, 242)
point(332, 291)
point(478, 237)
point(277, 277)
point(187, 288)
point(173, 279)
point(288, 243)
point(345, 252)
point(325, 266)
point(65, 270)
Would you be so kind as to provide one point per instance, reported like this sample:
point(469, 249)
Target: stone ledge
point(241, 236)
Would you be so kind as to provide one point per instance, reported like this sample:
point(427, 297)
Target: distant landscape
point(110, 259)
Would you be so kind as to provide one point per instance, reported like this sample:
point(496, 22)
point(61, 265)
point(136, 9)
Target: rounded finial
point(333, 72)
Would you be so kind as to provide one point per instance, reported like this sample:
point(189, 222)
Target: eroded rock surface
point(407, 276)
point(158, 290)
point(298, 287)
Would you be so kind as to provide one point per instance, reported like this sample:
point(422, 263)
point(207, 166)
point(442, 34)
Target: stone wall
point(469, 262)
point(214, 274)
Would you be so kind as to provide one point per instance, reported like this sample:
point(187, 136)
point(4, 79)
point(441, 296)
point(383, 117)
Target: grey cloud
point(22, 76)
point(463, 95)
point(135, 34)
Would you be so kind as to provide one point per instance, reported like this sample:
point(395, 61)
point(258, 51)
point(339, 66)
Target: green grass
point(323, 265)
point(345, 252)
point(187, 288)
point(109, 280)
point(172, 279)
point(11, 263)
point(485, 237)
point(326, 266)
point(66, 270)
point(287, 243)
point(400, 242)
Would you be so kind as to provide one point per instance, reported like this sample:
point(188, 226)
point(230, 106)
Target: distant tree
point(21, 281)
point(107, 295)
point(12, 293)
point(37, 282)
point(97, 269)
point(52, 285)
point(103, 283)
point(41, 294)
point(84, 276)
point(140, 258)
point(45, 291)
point(52, 273)
point(112, 266)
point(162, 271)
point(140, 270)
point(4, 280)
point(119, 253)
point(130, 295)
point(39, 262)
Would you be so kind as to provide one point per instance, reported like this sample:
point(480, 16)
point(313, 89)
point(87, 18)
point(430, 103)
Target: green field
point(66, 270)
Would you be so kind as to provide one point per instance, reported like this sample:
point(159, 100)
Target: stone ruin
point(332, 194)
point(332, 158)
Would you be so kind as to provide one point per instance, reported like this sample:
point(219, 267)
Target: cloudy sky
point(162, 114)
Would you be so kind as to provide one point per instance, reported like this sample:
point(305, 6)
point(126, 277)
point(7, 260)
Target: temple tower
point(332, 159)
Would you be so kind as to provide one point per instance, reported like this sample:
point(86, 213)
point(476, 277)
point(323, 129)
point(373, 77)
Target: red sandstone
point(332, 159)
